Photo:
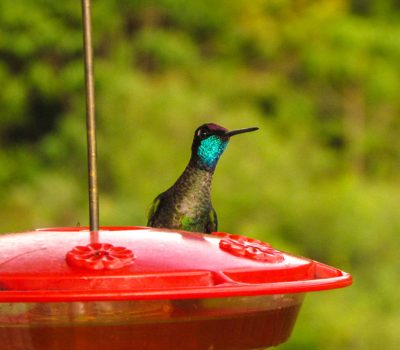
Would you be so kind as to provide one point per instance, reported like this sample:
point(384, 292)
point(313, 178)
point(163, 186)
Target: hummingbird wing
point(153, 211)
point(212, 224)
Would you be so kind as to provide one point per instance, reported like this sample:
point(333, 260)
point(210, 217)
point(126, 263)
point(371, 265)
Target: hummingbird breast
point(187, 204)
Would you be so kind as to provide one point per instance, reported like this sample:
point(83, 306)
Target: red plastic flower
point(100, 256)
point(249, 248)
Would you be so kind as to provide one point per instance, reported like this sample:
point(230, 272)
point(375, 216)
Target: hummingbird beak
point(239, 131)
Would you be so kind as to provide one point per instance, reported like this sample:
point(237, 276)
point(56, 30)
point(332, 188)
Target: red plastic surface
point(249, 248)
point(167, 265)
point(100, 256)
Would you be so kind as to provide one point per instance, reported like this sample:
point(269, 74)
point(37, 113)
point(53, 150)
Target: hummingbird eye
point(202, 133)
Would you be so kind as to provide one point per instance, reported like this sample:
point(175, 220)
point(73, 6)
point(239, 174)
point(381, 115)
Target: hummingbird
point(186, 205)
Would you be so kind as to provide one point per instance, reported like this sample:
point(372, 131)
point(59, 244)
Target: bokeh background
point(321, 177)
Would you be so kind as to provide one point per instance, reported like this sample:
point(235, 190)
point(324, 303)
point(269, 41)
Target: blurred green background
point(320, 178)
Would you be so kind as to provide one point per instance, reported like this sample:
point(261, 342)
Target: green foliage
point(320, 177)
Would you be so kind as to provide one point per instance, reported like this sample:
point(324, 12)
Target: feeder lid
point(141, 263)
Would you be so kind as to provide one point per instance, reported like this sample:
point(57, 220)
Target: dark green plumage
point(187, 204)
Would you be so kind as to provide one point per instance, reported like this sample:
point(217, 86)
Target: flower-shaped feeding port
point(100, 256)
point(249, 248)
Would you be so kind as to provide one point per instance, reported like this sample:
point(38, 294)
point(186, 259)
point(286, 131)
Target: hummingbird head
point(210, 141)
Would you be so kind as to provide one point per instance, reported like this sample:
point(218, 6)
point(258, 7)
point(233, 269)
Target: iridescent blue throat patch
point(210, 149)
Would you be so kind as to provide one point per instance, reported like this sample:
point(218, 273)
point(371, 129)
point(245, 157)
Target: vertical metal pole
point(90, 119)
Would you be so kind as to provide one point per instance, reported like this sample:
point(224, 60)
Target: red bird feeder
point(150, 289)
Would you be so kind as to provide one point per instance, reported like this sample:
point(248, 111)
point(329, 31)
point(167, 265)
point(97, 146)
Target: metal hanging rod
point(90, 116)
